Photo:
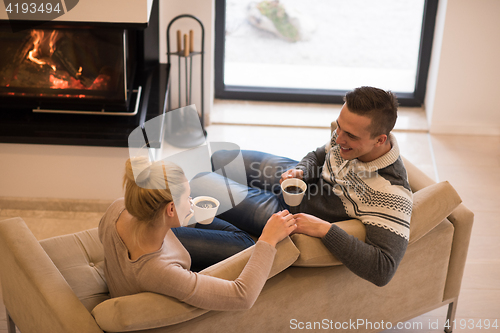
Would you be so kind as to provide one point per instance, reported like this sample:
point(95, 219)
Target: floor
point(470, 163)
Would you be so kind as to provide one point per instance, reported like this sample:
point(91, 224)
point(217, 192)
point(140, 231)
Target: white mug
point(293, 199)
point(205, 215)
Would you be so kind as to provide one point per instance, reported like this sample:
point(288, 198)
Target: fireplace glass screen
point(73, 68)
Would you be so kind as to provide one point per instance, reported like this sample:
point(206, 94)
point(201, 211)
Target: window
point(262, 53)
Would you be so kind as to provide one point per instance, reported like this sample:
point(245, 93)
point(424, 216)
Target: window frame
point(222, 91)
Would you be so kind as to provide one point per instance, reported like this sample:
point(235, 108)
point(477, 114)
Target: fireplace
point(67, 69)
point(80, 83)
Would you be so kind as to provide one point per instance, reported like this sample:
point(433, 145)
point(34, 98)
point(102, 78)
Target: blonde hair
point(149, 187)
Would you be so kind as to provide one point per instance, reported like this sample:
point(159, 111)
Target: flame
point(101, 82)
point(35, 60)
point(39, 37)
point(44, 46)
point(58, 83)
point(52, 41)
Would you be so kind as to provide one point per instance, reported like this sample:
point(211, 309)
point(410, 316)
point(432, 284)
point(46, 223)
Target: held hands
point(278, 227)
point(292, 173)
point(311, 225)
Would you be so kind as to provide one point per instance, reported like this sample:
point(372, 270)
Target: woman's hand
point(292, 173)
point(311, 225)
point(278, 227)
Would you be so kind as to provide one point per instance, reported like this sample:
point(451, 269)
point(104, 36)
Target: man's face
point(354, 137)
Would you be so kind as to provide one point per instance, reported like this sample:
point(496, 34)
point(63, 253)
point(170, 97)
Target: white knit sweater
point(377, 193)
point(369, 193)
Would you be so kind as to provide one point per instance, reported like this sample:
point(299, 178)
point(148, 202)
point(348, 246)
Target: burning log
point(46, 62)
point(12, 67)
point(77, 58)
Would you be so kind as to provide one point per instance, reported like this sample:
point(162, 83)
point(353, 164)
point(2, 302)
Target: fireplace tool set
point(183, 128)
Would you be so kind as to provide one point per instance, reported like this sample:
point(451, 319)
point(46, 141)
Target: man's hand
point(311, 225)
point(292, 173)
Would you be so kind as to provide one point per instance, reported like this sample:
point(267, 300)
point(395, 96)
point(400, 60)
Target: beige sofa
point(57, 285)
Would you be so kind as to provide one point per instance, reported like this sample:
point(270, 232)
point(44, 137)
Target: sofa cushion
point(80, 259)
point(313, 252)
point(431, 205)
point(149, 310)
point(142, 311)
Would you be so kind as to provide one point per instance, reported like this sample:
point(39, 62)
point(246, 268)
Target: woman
point(143, 254)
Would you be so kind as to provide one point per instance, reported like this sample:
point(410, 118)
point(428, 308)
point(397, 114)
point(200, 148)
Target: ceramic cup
point(293, 190)
point(205, 209)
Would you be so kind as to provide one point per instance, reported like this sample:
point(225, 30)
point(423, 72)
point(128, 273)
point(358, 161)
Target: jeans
point(263, 193)
point(208, 244)
point(264, 198)
point(260, 197)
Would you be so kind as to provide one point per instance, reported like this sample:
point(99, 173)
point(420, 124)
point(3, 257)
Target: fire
point(99, 83)
point(40, 37)
point(58, 83)
point(48, 63)
point(44, 46)
point(52, 41)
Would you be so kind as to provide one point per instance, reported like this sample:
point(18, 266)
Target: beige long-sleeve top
point(166, 271)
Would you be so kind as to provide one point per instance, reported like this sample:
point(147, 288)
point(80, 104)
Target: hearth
point(80, 83)
point(67, 69)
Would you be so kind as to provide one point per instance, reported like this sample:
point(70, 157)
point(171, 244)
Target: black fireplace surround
point(78, 83)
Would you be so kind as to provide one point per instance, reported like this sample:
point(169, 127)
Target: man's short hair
point(379, 105)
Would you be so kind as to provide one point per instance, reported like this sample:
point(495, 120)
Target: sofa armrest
point(34, 291)
point(431, 205)
point(313, 253)
point(462, 219)
point(148, 310)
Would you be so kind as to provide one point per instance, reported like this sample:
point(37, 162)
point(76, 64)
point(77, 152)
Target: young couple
point(357, 174)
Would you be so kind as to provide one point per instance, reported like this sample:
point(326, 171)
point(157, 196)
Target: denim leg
point(262, 170)
point(238, 202)
point(210, 243)
point(264, 198)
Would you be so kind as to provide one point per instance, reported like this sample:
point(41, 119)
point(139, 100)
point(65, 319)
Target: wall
point(73, 172)
point(205, 11)
point(464, 78)
point(69, 172)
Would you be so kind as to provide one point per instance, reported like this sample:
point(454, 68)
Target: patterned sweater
point(377, 193)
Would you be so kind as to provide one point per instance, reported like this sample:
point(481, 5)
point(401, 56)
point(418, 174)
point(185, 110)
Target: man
point(357, 174)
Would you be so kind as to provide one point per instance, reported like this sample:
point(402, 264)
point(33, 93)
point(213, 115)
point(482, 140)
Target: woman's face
point(184, 207)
